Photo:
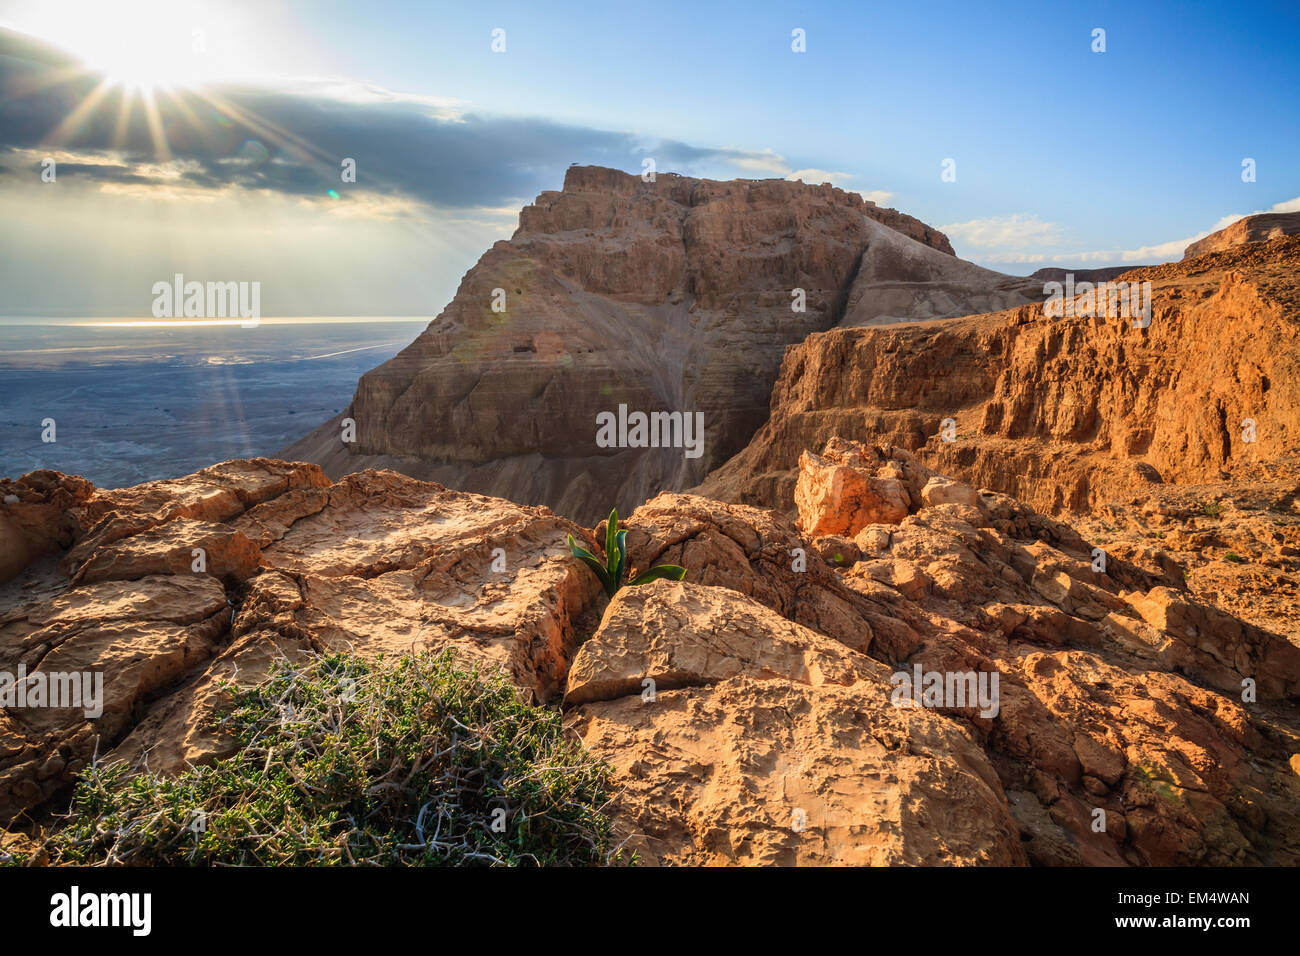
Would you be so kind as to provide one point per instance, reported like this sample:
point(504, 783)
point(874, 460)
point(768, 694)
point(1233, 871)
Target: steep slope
point(1065, 413)
point(675, 295)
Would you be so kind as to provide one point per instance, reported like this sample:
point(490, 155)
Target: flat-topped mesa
point(689, 191)
point(1257, 228)
point(677, 295)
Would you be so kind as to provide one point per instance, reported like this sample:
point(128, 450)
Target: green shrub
point(346, 761)
point(611, 571)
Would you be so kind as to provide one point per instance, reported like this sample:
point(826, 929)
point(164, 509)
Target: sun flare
point(141, 45)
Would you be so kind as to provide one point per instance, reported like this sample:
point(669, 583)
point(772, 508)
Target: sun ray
point(163, 92)
point(299, 148)
point(79, 115)
point(160, 146)
point(123, 118)
point(177, 100)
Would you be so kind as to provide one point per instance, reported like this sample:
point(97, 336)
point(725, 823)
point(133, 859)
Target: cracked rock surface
point(376, 564)
point(752, 713)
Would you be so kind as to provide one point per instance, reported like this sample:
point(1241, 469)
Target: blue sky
point(1139, 145)
point(1064, 156)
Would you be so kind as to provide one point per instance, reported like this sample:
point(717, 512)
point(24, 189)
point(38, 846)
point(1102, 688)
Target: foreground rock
point(1120, 733)
point(763, 742)
point(688, 635)
point(754, 713)
point(676, 295)
point(378, 564)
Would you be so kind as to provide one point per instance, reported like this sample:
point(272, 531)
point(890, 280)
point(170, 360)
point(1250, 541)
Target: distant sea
point(135, 400)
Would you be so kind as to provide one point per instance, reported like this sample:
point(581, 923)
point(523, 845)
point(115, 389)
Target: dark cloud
point(294, 142)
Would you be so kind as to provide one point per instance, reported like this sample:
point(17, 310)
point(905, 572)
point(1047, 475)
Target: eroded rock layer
point(1066, 413)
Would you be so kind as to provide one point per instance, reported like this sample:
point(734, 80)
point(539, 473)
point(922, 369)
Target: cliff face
point(672, 296)
point(1065, 413)
point(1258, 228)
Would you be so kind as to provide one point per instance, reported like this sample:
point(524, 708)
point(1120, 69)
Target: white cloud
point(757, 160)
point(770, 161)
point(1168, 251)
point(818, 176)
point(447, 108)
point(1161, 252)
point(1005, 232)
point(1013, 258)
point(89, 157)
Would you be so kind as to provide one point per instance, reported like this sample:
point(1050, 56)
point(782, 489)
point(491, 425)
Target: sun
point(140, 64)
point(143, 45)
point(160, 59)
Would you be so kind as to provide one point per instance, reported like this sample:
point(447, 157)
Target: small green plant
point(1233, 557)
point(349, 762)
point(611, 572)
point(1213, 509)
point(1161, 781)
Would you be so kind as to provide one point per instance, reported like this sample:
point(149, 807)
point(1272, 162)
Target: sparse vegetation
point(1233, 557)
point(349, 762)
point(1213, 509)
point(611, 572)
